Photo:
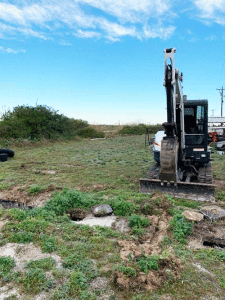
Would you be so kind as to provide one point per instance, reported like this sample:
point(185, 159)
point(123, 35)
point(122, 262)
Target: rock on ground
point(102, 210)
point(193, 216)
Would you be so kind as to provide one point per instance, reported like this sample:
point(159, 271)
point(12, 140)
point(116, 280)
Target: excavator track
point(205, 174)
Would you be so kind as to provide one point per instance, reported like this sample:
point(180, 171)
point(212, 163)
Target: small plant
point(121, 207)
point(147, 263)
point(128, 271)
point(6, 265)
point(21, 237)
point(220, 255)
point(18, 214)
point(34, 190)
point(49, 245)
point(138, 221)
point(181, 227)
point(44, 264)
point(33, 281)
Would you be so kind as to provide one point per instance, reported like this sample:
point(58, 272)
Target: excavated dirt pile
point(148, 245)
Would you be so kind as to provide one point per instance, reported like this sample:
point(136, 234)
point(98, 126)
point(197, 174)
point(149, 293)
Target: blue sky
point(102, 61)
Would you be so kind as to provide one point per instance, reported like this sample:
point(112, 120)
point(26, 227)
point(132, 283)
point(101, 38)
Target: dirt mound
point(148, 245)
point(169, 268)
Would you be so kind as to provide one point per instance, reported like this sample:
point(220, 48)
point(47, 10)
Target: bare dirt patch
point(23, 253)
point(2, 224)
point(220, 184)
point(207, 230)
point(20, 194)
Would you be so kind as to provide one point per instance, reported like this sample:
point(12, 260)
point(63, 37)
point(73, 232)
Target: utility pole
point(221, 94)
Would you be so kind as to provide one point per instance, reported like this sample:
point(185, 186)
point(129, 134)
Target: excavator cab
point(196, 131)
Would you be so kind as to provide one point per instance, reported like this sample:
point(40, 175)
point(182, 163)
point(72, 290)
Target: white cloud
point(112, 20)
point(163, 33)
point(211, 10)
point(10, 50)
point(87, 34)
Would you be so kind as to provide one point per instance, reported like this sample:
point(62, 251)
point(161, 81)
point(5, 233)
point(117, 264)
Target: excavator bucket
point(188, 190)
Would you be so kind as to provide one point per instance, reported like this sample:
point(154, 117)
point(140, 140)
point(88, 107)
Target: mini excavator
point(183, 168)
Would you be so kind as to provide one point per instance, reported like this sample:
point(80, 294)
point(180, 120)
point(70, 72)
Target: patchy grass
point(80, 174)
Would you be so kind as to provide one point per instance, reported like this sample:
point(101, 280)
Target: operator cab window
point(194, 119)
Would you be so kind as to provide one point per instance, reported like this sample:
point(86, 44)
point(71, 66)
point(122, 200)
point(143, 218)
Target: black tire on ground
point(3, 157)
point(8, 151)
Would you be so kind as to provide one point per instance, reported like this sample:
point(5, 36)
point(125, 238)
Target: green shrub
point(140, 129)
point(38, 122)
point(121, 207)
point(65, 200)
point(133, 129)
point(148, 263)
point(90, 132)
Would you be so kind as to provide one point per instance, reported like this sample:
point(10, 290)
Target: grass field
point(93, 263)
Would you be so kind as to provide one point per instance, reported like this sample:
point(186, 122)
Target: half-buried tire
point(9, 152)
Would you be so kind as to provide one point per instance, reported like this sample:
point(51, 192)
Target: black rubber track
point(7, 151)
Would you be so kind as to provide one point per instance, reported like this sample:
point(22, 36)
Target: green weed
point(65, 200)
point(21, 237)
point(128, 271)
point(121, 207)
point(138, 221)
point(33, 281)
point(181, 227)
point(147, 263)
point(220, 195)
point(6, 265)
point(44, 264)
point(34, 190)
